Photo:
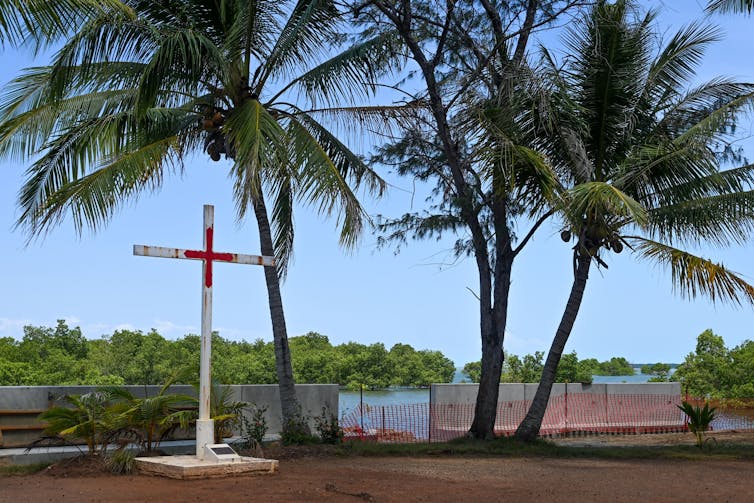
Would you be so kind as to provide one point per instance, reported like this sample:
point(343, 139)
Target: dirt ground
point(305, 477)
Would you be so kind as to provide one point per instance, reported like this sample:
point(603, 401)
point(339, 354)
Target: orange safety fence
point(573, 413)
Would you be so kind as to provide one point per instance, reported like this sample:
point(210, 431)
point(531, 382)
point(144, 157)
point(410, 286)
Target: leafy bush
point(253, 429)
point(328, 428)
point(296, 432)
point(257, 426)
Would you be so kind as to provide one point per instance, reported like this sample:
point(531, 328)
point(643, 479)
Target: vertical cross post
point(205, 428)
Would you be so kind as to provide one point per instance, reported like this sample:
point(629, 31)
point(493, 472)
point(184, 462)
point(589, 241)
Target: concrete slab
point(191, 467)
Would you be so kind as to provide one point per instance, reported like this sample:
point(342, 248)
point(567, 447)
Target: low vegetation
point(509, 447)
point(22, 469)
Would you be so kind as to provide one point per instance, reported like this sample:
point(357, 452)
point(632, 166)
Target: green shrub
point(699, 419)
point(296, 432)
point(253, 429)
point(121, 461)
point(328, 428)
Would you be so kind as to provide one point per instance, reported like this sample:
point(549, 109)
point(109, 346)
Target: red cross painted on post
point(204, 425)
point(208, 256)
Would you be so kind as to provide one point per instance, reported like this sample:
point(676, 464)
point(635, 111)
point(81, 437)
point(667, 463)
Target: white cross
point(204, 425)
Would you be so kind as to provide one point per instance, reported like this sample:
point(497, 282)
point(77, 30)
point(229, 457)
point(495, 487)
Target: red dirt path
point(434, 479)
point(314, 474)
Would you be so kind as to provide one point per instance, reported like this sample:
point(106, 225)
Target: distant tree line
point(658, 371)
point(62, 355)
point(570, 369)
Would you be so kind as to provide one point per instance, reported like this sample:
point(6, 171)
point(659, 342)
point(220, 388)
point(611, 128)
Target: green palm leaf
point(260, 145)
point(308, 33)
point(353, 73)
point(603, 200)
point(46, 21)
point(722, 219)
point(693, 275)
point(93, 198)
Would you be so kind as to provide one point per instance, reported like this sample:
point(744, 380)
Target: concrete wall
point(466, 393)
point(312, 397)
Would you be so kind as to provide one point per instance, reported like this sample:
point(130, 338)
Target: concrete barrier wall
point(466, 393)
point(312, 397)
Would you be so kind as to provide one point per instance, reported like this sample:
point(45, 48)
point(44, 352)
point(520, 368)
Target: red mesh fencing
point(730, 413)
point(580, 413)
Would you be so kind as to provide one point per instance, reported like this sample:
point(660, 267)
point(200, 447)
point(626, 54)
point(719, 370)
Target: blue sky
point(420, 296)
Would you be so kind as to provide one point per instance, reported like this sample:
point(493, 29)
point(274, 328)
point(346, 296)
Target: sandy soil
point(399, 479)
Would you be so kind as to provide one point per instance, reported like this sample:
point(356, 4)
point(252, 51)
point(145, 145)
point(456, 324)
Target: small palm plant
point(147, 421)
point(89, 418)
point(699, 419)
point(225, 412)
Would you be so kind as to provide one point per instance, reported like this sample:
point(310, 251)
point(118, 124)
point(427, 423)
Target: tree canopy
point(60, 356)
point(715, 371)
point(528, 368)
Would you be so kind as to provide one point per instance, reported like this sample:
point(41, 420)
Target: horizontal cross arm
point(160, 251)
point(237, 258)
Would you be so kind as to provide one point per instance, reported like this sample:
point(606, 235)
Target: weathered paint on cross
point(204, 425)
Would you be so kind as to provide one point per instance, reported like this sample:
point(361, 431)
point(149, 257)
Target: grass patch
point(541, 448)
point(22, 469)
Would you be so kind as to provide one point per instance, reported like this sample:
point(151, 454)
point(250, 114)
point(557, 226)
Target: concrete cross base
point(191, 467)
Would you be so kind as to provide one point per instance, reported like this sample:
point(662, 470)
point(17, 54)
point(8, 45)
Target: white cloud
point(521, 345)
point(165, 327)
point(235, 334)
point(71, 321)
point(12, 328)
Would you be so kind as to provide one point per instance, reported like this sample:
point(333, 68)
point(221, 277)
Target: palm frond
point(693, 275)
point(718, 117)
point(693, 105)
point(325, 166)
point(360, 122)
point(730, 6)
point(282, 224)
point(183, 53)
point(722, 219)
point(352, 73)
point(56, 185)
point(308, 34)
point(24, 135)
point(675, 66)
point(45, 22)
point(259, 143)
point(600, 200)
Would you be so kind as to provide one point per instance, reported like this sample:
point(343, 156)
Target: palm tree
point(634, 155)
point(730, 5)
point(139, 85)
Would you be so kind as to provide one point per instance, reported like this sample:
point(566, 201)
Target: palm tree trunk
point(529, 427)
point(289, 405)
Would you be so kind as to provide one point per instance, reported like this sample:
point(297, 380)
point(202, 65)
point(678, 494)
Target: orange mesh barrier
point(580, 413)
